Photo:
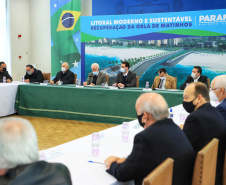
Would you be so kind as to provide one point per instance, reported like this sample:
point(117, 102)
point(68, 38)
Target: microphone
point(156, 72)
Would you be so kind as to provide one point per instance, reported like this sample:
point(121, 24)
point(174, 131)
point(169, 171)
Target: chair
point(205, 164)
point(161, 175)
point(137, 81)
point(107, 79)
point(176, 81)
point(224, 172)
point(208, 83)
point(75, 78)
point(47, 76)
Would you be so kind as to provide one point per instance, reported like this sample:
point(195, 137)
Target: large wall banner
point(175, 41)
point(65, 35)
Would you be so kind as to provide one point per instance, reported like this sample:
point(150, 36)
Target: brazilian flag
point(65, 22)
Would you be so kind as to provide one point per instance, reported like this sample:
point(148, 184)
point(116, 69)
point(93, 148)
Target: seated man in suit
point(196, 76)
point(4, 72)
point(160, 139)
point(96, 77)
point(33, 75)
point(125, 78)
point(19, 158)
point(164, 80)
point(204, 123)
point(65, 75)
point(218, 93)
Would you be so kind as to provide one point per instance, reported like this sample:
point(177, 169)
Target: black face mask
point(189, 106)
point(139, 117)
point(4, 69)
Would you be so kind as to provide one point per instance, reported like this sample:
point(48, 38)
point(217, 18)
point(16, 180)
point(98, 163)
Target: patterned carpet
point(53, 132)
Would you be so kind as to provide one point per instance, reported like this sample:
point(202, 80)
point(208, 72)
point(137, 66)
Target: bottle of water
point(23, 79)
point(4, 79)
point(59, 82)
point(171, 113)
point(95, 144)
point(125, 132)
point(147, 85)
point(106, 84)
point(77, 82)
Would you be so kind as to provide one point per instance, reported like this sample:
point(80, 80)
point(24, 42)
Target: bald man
point(204, 123)
point(160, 139)
point(65, 75)
point(218, 93)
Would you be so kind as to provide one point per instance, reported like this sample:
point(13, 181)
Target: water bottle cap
point(171, 110)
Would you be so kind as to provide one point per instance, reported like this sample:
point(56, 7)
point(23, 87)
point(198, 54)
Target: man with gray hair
point(218, 93)
point(19, 158)
point(96, 77)
point(160, 139)
point(65, 75)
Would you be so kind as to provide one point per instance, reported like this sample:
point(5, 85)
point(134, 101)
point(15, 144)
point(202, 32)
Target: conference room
point(112, 92)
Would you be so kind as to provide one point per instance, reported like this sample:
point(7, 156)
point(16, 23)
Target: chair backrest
point(208, 83)
point(205, 164)
point(107, 79)
point(75, 78)
point(137, 81)
point(176, 81)
point(161, 175)
point(224, 172)
point(47, 76)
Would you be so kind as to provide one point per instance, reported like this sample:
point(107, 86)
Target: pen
point(95, 162)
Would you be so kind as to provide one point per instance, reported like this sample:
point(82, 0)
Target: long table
point(7, 98)
point(93, 104)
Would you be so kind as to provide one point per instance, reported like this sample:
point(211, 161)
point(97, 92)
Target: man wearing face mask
point(65, 75)
point(218, 93)
point(33, 75)
point(160, 139)
point(96, 77)
point(196, 76)
point(164, 81)
point(204, 123)
point(4, 72)
point(125, 78)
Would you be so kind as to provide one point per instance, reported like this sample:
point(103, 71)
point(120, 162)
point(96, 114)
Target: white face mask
point(123, 70)
point(193, 75)
point(63, 69)
point(163, 78)
point(213, 96)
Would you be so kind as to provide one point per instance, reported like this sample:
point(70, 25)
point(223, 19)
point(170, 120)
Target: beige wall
point(31, 19)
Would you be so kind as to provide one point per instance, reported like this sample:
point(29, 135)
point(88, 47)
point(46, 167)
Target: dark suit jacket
point(38, 173)
point(222, 109)
point(189, 80)
point(201, 126)
point(6, 74)
point(130, 80)
point(67, 78)
point(151, 147)
point(35, 77)
point(100, 79)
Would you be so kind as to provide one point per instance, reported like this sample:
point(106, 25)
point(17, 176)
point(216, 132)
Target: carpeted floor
point(53, 132)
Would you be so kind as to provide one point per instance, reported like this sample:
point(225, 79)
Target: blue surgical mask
point(95, 73)
point(123, 70)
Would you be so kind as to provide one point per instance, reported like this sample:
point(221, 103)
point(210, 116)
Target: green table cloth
point(95, 104)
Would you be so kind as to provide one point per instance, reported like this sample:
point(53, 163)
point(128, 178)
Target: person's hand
point(121, 160)
point(27, 80)
point(57, 82)
point(51, 82)
point(121, 85)
point(92, 84)
point(116, 85)
point(8, 80)
point(113, 159)
point(84, 83)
